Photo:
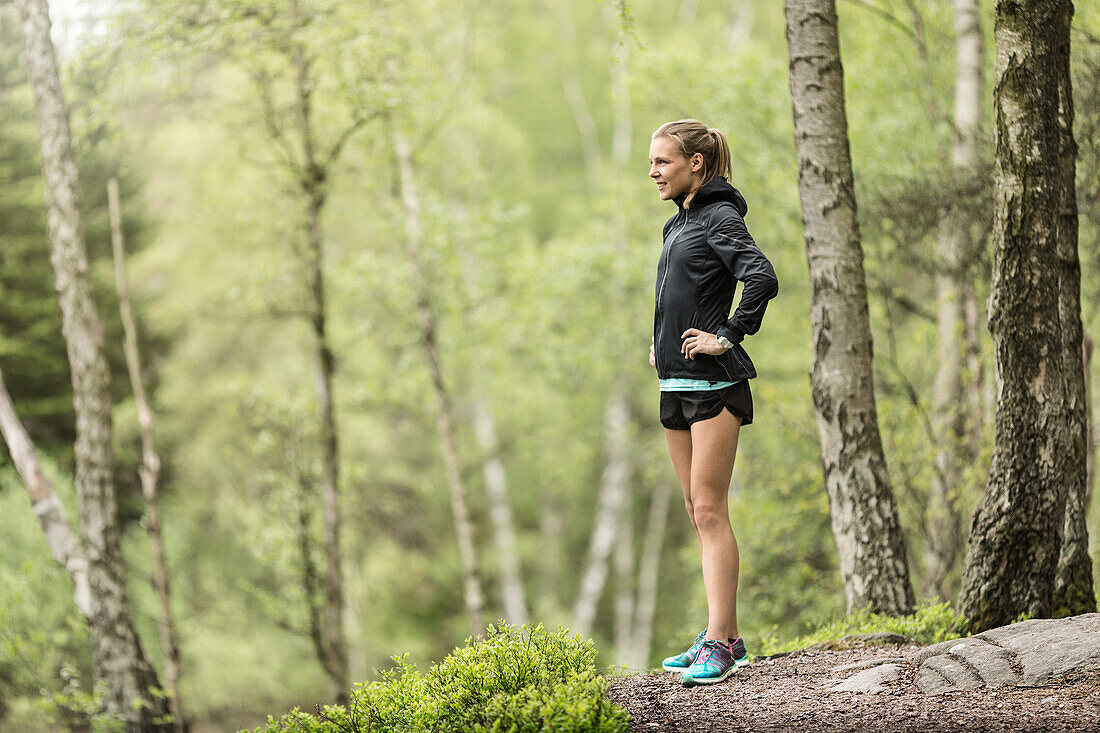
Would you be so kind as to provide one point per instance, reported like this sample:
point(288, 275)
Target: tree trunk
point(464, 531)
point(119, 661)
point(504, 529)
point(150, 464)
point(624, 583)
point(612, 496)
point(1039, 452)
point(1073, 590)
point(868, 534)
point(649, 566)
point(47, 506)
point(333, 652)
point(951, 408)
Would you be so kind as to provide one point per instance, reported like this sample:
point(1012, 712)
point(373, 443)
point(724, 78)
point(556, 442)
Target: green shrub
point(929, 624)
point(511, 681)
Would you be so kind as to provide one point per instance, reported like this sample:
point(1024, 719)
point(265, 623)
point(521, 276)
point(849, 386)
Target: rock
point(869, 680)
point(1030, 652)
point(990, 662)
point(956, 676)
point(1048, 648)
point(868, 663)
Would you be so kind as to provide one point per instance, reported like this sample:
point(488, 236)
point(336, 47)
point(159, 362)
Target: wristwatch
point(725, 342)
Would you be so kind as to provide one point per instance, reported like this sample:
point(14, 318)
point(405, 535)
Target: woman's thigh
point(679, 449)
point(713, 449)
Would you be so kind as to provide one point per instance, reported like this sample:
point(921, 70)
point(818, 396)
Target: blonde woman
point(702, 369)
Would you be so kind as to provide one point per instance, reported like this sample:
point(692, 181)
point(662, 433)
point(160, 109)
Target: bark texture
point(1073, 588)
point(119, 660)
point(952, 412)
point(47, 506)
point(865, 522)
point(149, 471)
point(456, 485)
point(1039, 452)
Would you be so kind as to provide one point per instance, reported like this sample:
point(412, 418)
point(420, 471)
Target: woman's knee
point(709, 514)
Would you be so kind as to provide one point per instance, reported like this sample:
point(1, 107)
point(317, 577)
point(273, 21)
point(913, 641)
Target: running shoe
point(715, 663)
point(682, 661)
point(740, 654)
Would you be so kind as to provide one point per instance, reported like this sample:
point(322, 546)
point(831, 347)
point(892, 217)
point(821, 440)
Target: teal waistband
point(678, 384)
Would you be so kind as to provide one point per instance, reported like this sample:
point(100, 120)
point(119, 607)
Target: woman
point(702, 370)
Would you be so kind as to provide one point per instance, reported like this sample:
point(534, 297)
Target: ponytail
point(691, 137)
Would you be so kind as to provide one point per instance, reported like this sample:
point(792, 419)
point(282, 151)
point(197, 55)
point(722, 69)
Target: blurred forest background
point(464, 200)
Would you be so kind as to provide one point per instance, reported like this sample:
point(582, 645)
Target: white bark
point(648, 570)
point(865, 521)
point(456, 485)
point(612, 495)
point(624, 583)
point(500, 513)
point(119, 661)
point(951, 403)
point(47, 505)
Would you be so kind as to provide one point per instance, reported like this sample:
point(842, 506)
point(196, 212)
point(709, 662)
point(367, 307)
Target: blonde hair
point(691, 137)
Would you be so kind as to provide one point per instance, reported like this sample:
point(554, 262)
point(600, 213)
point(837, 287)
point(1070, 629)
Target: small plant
point(511, 681)
point(929, 624)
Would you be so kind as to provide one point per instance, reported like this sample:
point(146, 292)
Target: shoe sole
point(689, 681)
point(667, 668)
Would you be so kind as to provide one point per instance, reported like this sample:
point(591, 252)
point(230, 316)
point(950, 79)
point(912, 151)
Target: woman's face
point(670, 170)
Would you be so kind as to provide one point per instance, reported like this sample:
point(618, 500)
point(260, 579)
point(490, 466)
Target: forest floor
point(792, 692)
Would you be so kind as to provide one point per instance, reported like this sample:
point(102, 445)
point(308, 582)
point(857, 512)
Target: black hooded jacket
point(707, 249)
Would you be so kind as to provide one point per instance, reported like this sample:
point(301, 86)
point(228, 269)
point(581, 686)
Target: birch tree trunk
point(1073, 589)
point(951, 408)
point(1039, 453)
point(645, 606)
point(149, 471)
point(47, 506)
point(119, 661)
point(865, 522)
point(464, 531)
point(624, 584)
point(612, 496)
point(614, 491)
point(504, 529)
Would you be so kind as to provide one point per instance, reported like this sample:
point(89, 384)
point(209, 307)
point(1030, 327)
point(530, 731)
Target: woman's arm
point(731, 241)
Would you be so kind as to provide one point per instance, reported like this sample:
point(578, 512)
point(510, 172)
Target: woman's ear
point(696, 162)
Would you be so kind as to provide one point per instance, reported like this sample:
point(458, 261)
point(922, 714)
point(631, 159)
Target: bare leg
point(714, 447)
point(679, 449)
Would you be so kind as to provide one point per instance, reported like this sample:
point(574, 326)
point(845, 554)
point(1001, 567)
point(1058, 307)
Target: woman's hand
point(652, 356)
point(700, 342)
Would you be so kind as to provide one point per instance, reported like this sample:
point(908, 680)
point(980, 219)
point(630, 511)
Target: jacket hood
point(715, 190)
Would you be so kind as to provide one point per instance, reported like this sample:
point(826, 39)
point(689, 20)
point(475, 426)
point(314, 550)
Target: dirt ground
point(790, 693)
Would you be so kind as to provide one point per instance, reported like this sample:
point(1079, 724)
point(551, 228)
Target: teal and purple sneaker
point(715, 661)
point(683, 660)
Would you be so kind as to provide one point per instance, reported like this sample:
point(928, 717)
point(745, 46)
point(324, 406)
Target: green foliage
point(929, 624)
point(514, 680)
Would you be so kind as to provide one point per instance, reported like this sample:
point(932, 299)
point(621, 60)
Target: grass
point(929, 624)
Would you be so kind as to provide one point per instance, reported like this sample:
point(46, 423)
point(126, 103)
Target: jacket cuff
point(735, 336)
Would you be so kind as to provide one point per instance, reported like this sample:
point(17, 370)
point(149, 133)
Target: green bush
point(513, 680)
point(929, 624)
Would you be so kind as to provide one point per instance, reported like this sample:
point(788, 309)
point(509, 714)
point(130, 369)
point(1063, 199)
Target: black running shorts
point(680, 409)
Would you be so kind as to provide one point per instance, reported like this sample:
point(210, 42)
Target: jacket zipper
point(660, 292)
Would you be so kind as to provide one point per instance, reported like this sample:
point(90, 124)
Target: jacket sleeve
point(731, 241)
